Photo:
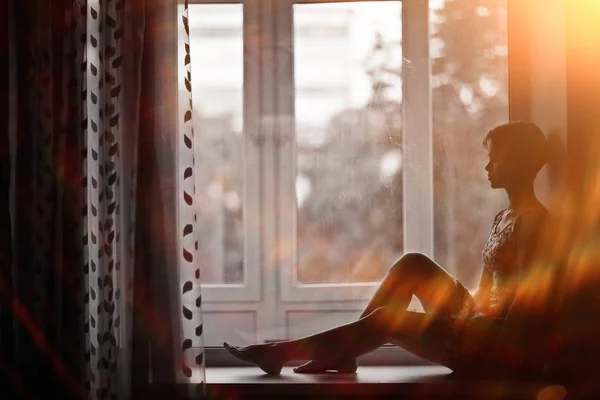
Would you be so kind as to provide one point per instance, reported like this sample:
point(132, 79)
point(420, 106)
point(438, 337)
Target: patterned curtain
point(99, 283)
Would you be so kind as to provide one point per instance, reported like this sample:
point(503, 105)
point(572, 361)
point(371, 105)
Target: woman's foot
point(347, 366)
point(261, 355)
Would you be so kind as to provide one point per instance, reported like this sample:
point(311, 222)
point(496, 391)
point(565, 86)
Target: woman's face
point(500, 169)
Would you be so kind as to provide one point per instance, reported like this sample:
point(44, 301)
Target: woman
point(458, 329)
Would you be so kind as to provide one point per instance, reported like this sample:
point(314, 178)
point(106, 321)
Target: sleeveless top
point(500, 258)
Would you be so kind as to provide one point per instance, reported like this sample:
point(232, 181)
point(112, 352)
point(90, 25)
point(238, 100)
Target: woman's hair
point(523, 142)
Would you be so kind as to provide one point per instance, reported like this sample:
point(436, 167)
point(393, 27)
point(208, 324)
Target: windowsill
point(388, 372)
point(387, 355)
point(366, 375)
point(369, 382)
point(372, 382)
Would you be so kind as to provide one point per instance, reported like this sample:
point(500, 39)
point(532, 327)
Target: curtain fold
point(96, 242)
point(6, 320)
point(192, 345)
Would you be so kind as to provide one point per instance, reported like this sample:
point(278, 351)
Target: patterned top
point(500, 258)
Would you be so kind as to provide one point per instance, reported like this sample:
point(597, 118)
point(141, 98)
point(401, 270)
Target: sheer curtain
point(99, 283)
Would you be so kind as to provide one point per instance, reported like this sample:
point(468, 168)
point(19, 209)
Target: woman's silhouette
point(459, 329)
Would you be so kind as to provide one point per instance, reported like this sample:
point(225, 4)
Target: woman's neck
point(522, 196)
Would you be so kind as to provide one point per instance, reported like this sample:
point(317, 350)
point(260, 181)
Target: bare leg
point(420, 333)
point(413, 273)
point(358, 337)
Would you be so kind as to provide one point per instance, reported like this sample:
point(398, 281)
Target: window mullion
point(286, 145)
point(269, 325)
point(251, 152)
point(417, 128)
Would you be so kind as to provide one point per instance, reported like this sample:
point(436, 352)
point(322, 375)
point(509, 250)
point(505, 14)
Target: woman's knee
point(392, 322)
point(412, 263)
point(379, 318)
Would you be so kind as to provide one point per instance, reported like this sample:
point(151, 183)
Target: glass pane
point(470, 96)
point(349, 132)
point(216, 36)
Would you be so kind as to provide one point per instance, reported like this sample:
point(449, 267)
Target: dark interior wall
point(537, 81)
point(554, 75)
point(520, 15)
point(583, 93)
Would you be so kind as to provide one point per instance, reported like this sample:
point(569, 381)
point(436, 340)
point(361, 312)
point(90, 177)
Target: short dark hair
point(524, 141)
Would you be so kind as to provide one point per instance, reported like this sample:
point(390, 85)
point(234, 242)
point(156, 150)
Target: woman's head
point(517, 151)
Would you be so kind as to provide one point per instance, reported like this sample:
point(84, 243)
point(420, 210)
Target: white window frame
point(250, 289)
point(271, 291)
point(417, 145)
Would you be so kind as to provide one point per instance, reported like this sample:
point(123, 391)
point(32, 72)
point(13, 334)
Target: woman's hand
point(481, 294)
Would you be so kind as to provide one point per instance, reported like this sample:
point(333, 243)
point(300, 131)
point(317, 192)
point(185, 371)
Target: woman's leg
point(358, 337)
point(413, 273)
point(420, 333)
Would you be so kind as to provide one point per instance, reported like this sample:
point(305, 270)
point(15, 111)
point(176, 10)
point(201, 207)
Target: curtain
point(100, 289)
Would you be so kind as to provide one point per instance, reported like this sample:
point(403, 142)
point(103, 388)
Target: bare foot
point(348, 366)
point(261, 355)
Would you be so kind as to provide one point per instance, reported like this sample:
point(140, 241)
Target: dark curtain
point(89, 282)
point(6, 317)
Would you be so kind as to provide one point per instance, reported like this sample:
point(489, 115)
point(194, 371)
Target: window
point(348, 142)
point(332, 137)
point(216, 44)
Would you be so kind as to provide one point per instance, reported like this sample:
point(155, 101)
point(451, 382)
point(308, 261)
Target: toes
point(310, 370)
point(228, 346)
point(234, 351)
point(251, 356)
point(310, 367)
point(321, 367)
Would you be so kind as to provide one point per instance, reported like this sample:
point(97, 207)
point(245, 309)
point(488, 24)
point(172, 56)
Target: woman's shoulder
point(531, 221)
point(534, 215)
point(538, 209)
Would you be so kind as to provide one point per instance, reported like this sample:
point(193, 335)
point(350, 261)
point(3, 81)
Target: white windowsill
point(372, 382)
point(365, 374)
point(384, 356)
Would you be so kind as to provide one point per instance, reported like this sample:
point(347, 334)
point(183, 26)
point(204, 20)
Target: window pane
point(470, 96)
point(216, 36)
point(348, 123)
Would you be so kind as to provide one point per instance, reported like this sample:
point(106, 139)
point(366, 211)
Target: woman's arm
point(524, 332)
point(514, 343)
point(484, 286)
point(530, 277)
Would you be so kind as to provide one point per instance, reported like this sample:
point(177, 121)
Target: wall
point(554, 69)
point(537, 79)
point(583, 94)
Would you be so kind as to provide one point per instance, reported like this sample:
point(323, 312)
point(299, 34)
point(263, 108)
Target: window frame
point(417, 142)
point(250, 289)
point(265, 290)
